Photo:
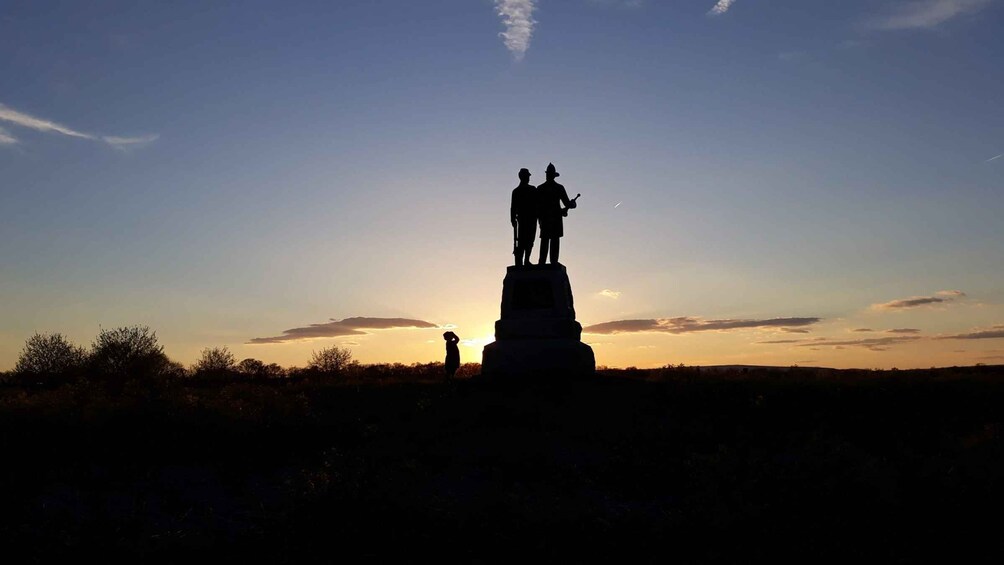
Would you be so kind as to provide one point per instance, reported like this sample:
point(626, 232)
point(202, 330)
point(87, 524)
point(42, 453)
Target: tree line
point(133, 353)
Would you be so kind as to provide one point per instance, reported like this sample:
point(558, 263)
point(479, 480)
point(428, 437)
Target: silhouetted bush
point(49, 359)
point(468, 370)
point(215, 363)
point(251, 368)
point(173, 370)
point(255, 369)
point(275, 371)
point(416, 372)
point(129, 353)
point(330, 360)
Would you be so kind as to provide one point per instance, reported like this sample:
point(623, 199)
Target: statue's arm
point(565, 200)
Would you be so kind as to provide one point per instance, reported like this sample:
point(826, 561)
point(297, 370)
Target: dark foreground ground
point(729, 467)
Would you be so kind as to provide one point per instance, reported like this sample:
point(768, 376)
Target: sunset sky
point(789, 182)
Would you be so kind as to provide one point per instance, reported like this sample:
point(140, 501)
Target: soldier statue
point(550, 197)
point(523, 215)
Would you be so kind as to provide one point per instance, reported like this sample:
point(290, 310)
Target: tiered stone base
point(514, 357)
point(537, 333)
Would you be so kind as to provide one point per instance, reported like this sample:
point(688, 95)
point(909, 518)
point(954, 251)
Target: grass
point(675, 463)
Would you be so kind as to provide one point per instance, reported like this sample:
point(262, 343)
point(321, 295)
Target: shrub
point(274, 371)
point(173, 370)
point(251, 368)
point(330, 360)
point(215, 361)
point(48, 359)
point(255, 369)
point(49, 353)
point(128, 352)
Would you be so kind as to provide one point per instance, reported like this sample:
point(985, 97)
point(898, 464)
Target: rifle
point(564, 211)
point(515, 246)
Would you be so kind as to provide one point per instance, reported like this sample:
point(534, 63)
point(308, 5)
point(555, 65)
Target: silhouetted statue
point(550, 197)
point(523, 215)
point(452, 354)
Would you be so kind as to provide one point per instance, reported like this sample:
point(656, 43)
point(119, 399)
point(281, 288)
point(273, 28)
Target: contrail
point(994, 158)
point(20, 119)
point(11, 115)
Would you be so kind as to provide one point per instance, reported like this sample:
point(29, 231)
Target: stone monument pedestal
point(537, 332)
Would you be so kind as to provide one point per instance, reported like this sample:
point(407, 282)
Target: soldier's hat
point(552, 170)
point(524, 171)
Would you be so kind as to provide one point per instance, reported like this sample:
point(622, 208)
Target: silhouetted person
point(550, 197)
point(523, 215)
point(452, 354)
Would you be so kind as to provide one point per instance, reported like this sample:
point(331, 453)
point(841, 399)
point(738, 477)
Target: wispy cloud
point(721, 7)
point(901, 336)
point(997, 332)
point(127, 143)
point(517, 16)
point(339, 328)
point(20, 119)
point(941, 297)
point(924, 14)
point(873, 344)
point(994, 158)
point(686, 324)
point(607, 293)
point(6, 138)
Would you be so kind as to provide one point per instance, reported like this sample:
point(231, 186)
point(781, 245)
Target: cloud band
point(339, 328)
point(686, 324)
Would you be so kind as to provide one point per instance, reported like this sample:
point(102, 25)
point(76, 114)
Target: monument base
point(515, 357)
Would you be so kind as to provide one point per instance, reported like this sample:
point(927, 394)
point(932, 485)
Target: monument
point(537, 331)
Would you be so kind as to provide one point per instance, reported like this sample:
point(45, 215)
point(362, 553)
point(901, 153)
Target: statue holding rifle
point(550, 197)
point(537, 333)
point(523, 215)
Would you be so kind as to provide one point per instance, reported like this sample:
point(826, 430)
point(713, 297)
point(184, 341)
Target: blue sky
point(226, 171)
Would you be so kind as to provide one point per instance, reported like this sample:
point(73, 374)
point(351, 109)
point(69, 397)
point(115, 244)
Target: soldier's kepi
point(550, 197)
point(523, 216)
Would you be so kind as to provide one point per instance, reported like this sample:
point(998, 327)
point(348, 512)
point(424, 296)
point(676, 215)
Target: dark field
point(691, 466)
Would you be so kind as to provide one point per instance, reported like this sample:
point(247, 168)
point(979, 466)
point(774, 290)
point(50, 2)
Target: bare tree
point(251, 368)
point(330, 360)
point(216, 361)
point(128, 352)
point(49, 358)
point(255, 369)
